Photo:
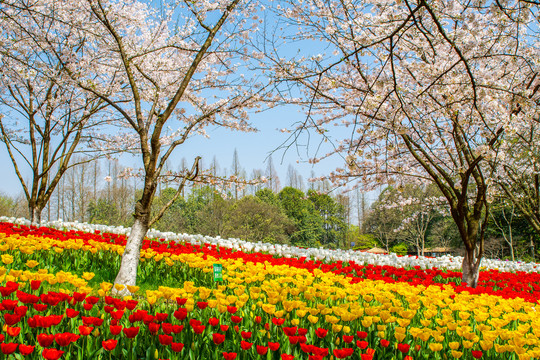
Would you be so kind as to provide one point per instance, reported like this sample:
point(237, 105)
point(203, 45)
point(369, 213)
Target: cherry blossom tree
point(418, 207)
point(44, 120)
point(518, 176)
point(427, 91)
point(168, 73)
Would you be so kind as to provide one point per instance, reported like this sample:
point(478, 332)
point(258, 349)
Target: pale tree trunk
point(471, 268)
point(127, 275)
point(35, 214)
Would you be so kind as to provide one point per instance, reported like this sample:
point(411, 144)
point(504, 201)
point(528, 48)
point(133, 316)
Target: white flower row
point(444, 262)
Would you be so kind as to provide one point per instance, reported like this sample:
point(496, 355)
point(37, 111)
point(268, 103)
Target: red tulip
point(290, 331)
point(64, 339)
point(177, 347)
point(13, 331)
point(245, 345)
point(131, 304)
point(147, 318)
point(167, 328)
point(177, 328)
point(52, 354)
point(213, 321)
point(202, 305)
point(236, 319)
point(343, 353)
point(78, 297)
point(198, 329)
point(8, 348)
point(258, 319)
point(218, 338)
point(20, 311)
point(161, 317)
point(9, 304)
point(362, 334)
point(348, 338)
point(45, 339)
point(262, 350)
point(11, 319)
point(110, 344)
point(165, 339)
point(308, 349)
point(180, 301)
point(246, 334)
point(320, 332)
point(117, 315)
point(85, 330)
point(287, 357)
point(154, 328)
point(40, 307)
point(71, 313)
point(477, 354)
point(231, 309)
point(362, 344)
point(224, 328)
point(321, 351)
point(180, 314)
point(278, 321)
point(35, 284)
point(115, 329)
point(404, 348)
point(229, 356)
point(294, 339)
point(131, 332)
point(385, 343)
point(273, 346)
point(26, 349)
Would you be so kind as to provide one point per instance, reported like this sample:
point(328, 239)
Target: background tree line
point(409, 218)
point(297, 213)
point(415, 219)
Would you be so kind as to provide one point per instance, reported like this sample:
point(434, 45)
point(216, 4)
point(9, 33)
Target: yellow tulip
point(88, 276)
point(486, 345)
point(337, 328)
point(456, 354)
point(132, 288)
point(367, 321)
point(7, 259)
point(32, 264)
point(435, 347)
point(454, 345)
point(106, 286)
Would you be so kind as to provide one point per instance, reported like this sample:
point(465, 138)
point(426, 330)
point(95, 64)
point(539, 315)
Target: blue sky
point(253, 150)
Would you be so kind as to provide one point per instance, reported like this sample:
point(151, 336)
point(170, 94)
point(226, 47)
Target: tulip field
point(57, 302)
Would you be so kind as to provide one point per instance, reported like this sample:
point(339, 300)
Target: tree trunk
point(35, 214)
point(471, 267)
point(127, 275)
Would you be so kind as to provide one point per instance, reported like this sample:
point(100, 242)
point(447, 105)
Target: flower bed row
point(106, 246)
point(262, 309)
point(327, 255)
